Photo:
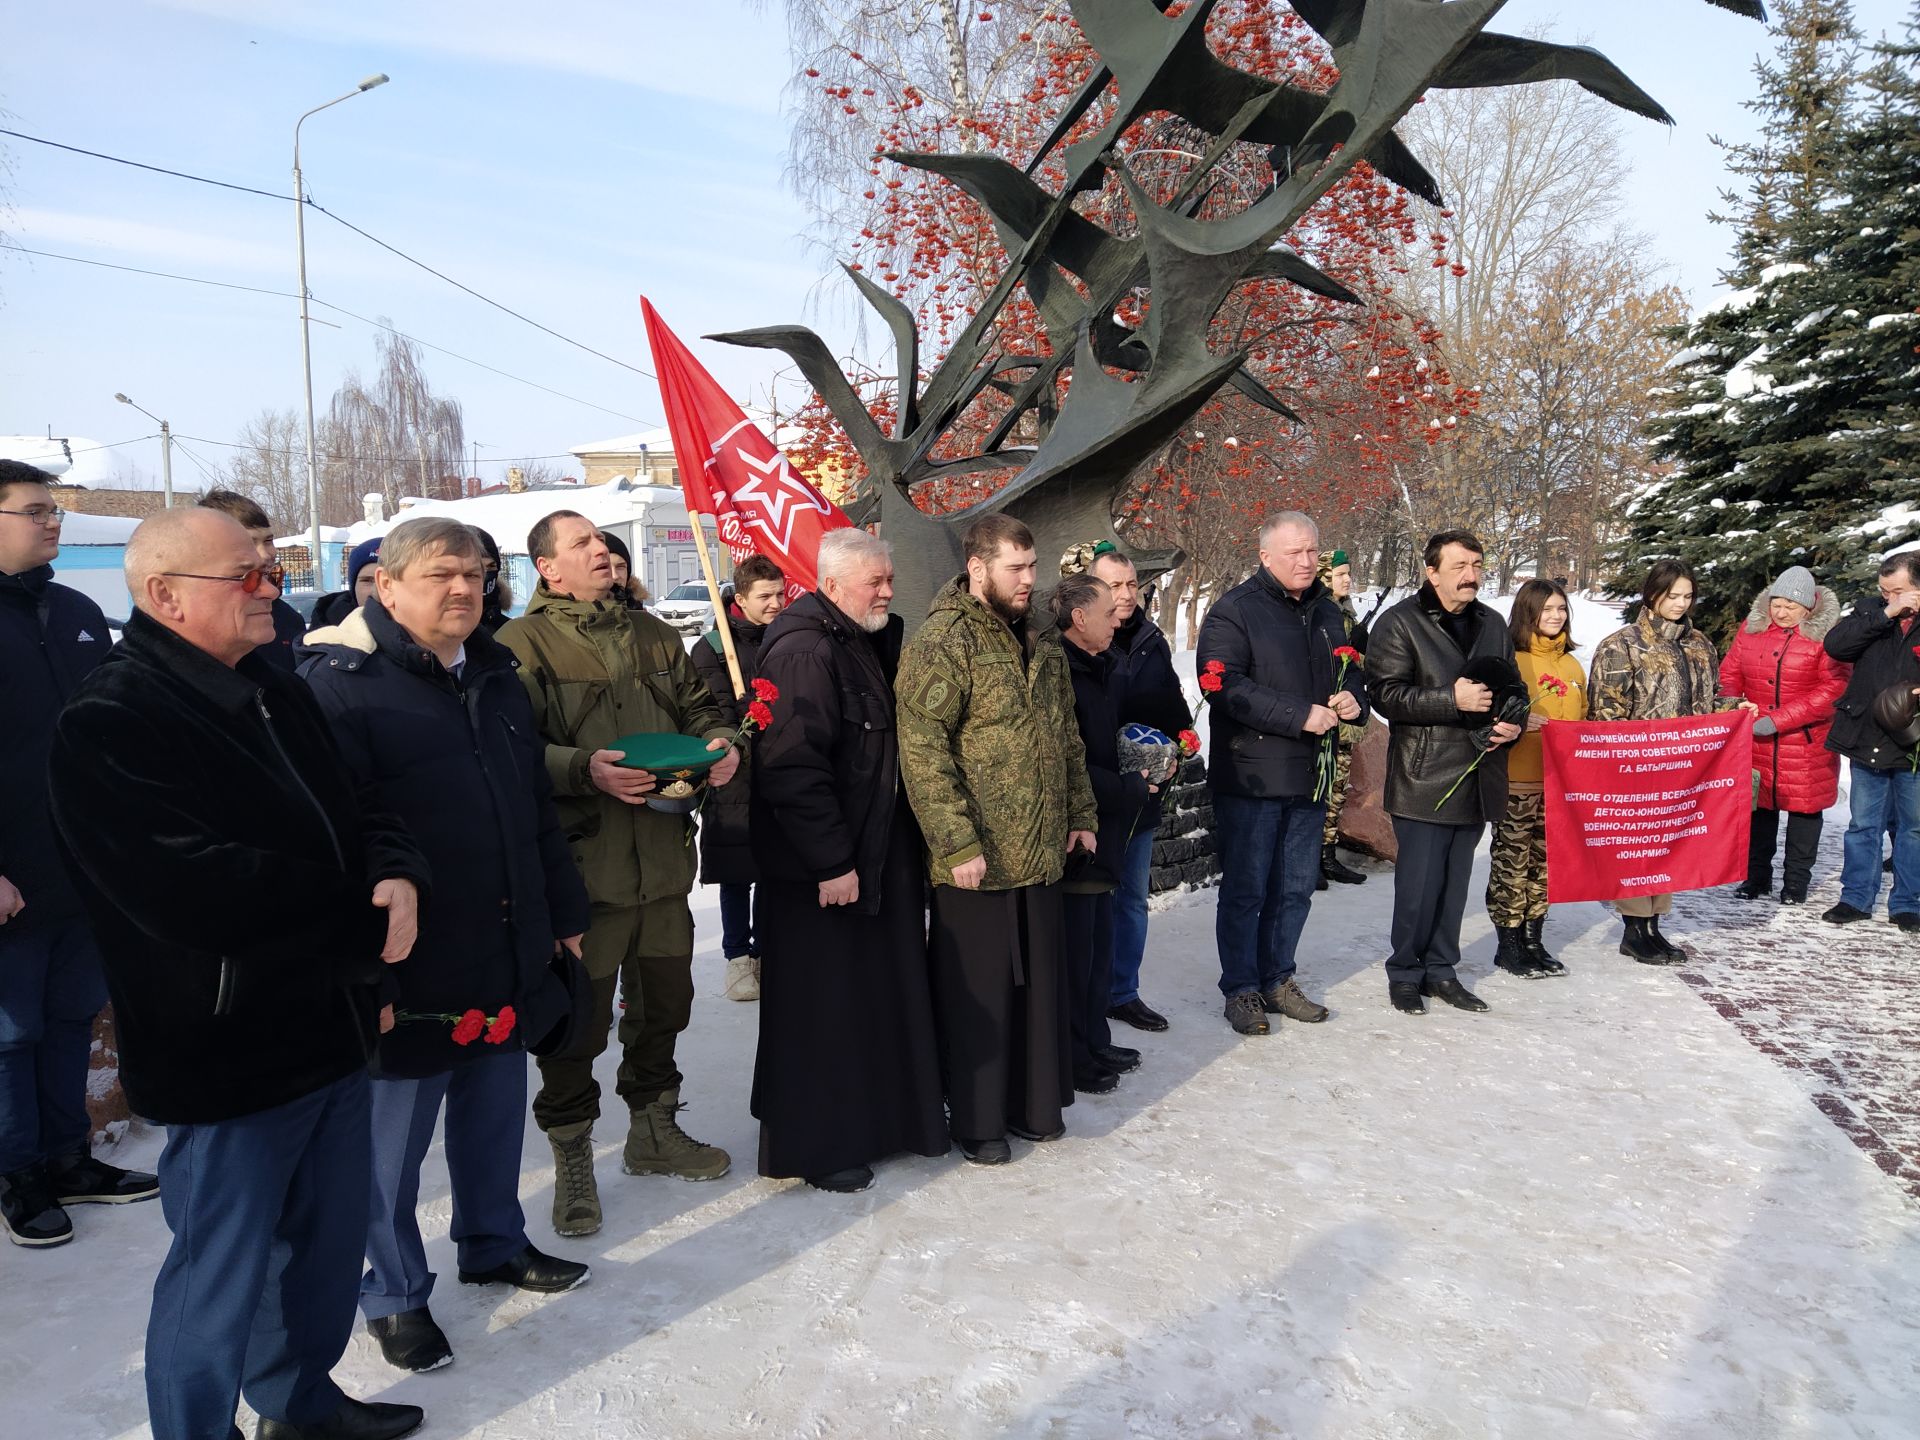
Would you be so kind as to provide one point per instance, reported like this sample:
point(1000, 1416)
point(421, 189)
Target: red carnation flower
point(765, 690)
point(468, 1027)
point(1210, 682)
point(760, 714)
point(501, 1026)
point(1215, 667)
point(1189, 742)
point(1553, 685)
point(1347, 654)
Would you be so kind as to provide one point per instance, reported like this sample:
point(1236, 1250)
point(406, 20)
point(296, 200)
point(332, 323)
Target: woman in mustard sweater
point(1517, 877)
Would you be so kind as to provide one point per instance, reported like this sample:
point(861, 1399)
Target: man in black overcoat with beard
point(848, 1070)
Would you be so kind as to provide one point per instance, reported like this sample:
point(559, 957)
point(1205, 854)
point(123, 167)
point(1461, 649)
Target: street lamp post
point(166, 450)
point(306, 345)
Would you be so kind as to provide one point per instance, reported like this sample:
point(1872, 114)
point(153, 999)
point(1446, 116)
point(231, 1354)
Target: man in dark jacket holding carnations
point(51, 987)
point(1417, 656)
point(726, 859)
point(1879, 639)
point(435, 726)
point(1277, 695)
point(848, 1069)
point(244, 897)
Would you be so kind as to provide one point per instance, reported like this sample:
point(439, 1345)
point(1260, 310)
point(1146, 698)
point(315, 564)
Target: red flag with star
point(730, 470)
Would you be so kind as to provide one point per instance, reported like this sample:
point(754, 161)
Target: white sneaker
point(743, 978)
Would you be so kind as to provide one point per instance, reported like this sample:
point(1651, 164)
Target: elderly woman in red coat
point(1789, 683)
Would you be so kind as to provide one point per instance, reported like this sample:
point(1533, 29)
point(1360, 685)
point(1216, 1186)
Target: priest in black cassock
point(847, 1071)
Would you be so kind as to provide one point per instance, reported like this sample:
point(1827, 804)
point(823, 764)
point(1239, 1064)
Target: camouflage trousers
point(1342, 772)
point(1517, 869)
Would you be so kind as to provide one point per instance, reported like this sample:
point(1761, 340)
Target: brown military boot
point(656, 1145)
point(576, 1195)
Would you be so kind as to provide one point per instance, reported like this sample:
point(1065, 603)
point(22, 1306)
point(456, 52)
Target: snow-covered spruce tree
point(1733, 505)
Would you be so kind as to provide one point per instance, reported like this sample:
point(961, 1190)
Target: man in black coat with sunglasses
point(244, 898)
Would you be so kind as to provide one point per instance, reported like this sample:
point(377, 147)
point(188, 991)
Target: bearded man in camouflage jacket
point(997, 777)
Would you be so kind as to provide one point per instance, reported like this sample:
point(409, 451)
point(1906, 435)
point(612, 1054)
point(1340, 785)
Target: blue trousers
point(486, 1101)
point(268, 1214)
point(51, 987)
point(737, 912)
point(1269, 861)
point(1130, 917)
point(1881, 800)
point(1430, 877)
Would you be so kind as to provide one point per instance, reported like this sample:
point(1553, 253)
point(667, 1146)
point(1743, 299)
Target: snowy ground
point(1597, 1211)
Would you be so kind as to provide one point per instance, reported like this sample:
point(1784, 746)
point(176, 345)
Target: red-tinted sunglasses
point(249, 582)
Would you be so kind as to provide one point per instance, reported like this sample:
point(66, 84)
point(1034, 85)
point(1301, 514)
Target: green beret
point(1339, 558)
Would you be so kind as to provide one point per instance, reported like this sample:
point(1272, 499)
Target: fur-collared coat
point(1793, 680)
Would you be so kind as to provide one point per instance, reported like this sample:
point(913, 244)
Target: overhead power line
point(348, 224)
point(340, 309)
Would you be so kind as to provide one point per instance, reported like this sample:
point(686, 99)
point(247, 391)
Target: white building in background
point(650, 519)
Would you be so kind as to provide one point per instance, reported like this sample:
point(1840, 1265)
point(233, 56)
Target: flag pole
point(719, 609)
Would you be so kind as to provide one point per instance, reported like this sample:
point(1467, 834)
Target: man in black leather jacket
point(1415, 659)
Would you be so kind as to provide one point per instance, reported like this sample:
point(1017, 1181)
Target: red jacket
point(1795, 683)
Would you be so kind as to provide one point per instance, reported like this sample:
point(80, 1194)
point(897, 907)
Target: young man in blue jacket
point(51, 985)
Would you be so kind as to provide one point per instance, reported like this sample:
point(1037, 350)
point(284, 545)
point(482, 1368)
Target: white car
point(688, 608)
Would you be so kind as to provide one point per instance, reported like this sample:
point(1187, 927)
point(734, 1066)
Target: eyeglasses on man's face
point(39, 514)
point(250, 582)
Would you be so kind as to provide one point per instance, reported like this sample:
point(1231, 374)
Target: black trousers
point(1089, 976)
point(1429, 898)
point(1000, 1007)
point(1803, 842)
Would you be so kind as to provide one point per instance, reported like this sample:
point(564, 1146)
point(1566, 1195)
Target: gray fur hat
point(1795, 583)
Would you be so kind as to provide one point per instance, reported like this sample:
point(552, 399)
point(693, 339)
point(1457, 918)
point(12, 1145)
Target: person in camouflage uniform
point(596, 671)
point(997, 776)
point(1657, 668)
point(1337, 575)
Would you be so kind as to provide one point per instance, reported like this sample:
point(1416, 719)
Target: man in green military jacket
point(997, 777)
point(596, 671)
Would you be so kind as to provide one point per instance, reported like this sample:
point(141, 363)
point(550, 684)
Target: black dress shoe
point(1907, 921)
point(1138, 1014)
point(1456, 995)
point(531, 1270)
point(411, 1340)
point(1845, 914)
point(850, 1181)
point(354, 1420)
point(1118, 1058)
point(1405, 996)
point(1096, 1082)
point(1037, 1137)
point(1752, 890)
point(1793, 897)
point(987, 1152)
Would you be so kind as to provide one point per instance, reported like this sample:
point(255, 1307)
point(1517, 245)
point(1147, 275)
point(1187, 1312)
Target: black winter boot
point(1512, 954)
point(1638, 943)
point(1332, 869)
point(1675, 955)
point(1537, 948)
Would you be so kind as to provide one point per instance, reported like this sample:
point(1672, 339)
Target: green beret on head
point(1339, 558)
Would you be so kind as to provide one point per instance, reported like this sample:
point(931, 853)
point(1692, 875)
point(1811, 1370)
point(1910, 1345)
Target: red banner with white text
point(730, 470)
point(1647, 807)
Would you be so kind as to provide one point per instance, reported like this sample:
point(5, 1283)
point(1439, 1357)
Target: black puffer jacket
point(1881, 653)
point(228, 863)
point(51, 638)
point(1278, 654)
point(461, 765)
point(1412, 663)
point(827, 775)
point(726, 858)
point(1121, 796)
point(1149, 690)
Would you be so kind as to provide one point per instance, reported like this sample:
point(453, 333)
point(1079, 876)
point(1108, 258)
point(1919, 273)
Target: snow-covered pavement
point(1597, 1211)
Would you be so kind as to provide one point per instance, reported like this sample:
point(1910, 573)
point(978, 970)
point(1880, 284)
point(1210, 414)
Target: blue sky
point(562, 159)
